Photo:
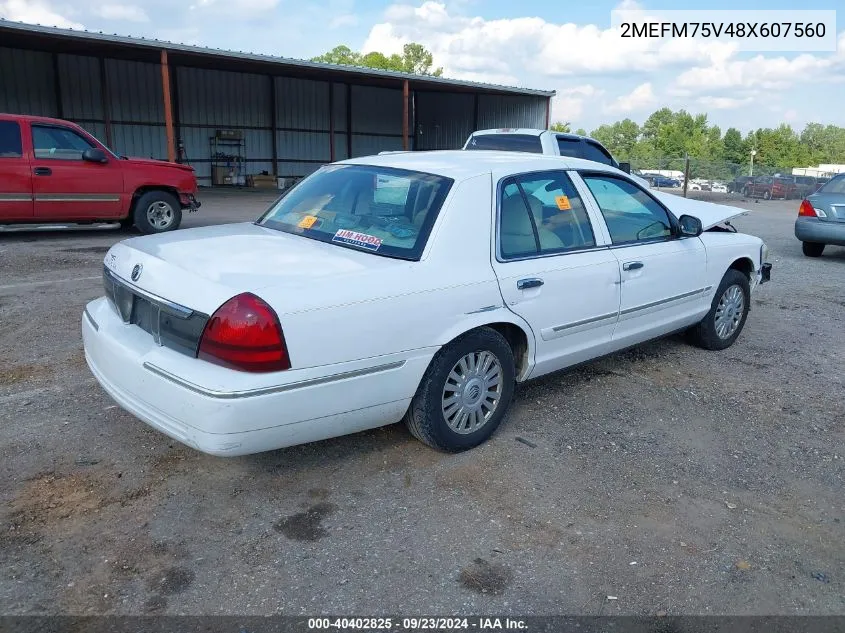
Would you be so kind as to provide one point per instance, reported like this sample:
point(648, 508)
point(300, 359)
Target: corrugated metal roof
point(281, 61)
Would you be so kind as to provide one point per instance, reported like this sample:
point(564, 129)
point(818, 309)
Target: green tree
point(581, 132)
point(415, 59)
point(620, 138)
point(735, 149)
point(560, 126)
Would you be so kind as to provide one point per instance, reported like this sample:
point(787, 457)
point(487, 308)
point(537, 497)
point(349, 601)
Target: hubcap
point(729, 311)
point(160, 214)
point(472, 392)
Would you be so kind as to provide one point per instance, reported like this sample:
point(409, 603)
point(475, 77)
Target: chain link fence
point(720, 180)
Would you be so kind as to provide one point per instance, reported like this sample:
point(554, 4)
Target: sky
point(546, 44)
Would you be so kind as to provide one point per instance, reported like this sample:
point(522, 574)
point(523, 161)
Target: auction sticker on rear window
point(345, 236)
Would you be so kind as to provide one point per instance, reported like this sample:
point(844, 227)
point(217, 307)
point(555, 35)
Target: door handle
point(42, 171)
point(525, 284)
point(632, 265)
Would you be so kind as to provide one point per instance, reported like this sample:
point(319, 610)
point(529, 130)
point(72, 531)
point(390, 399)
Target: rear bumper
point(820, 231)
point(181, 397)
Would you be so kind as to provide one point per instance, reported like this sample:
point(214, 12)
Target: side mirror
point(94, 155)
point(626, 167)
point(690, 226)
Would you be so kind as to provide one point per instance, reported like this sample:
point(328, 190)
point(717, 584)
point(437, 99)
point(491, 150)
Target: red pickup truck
point(54, 171)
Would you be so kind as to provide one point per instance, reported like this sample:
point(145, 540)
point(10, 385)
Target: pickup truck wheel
point(157, 212)
point(728, 312)
point(465, 392)
point(812, 249)
point(767, 195)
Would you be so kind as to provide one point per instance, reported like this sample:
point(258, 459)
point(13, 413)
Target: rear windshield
point(507, 142)
point(836, 185)
point(377, 209)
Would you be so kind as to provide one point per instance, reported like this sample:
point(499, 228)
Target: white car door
point(554, 269)
point(663, 275)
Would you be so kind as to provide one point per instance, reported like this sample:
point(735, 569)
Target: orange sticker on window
point(307, 222)
point(563, 203)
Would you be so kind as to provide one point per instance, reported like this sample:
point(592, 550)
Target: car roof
point(461, 165)
point(527, 131)
point(32, 117)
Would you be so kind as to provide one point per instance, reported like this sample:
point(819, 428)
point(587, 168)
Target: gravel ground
point(677, 480)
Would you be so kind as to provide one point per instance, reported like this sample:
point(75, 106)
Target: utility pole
point(753, 154)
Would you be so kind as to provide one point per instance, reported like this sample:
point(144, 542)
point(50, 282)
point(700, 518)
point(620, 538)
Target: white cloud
point(639, 98)
point(724, 103)
point(236, 8)
point(343, 20)
point(35, 12)
point(514, 47)
point(124, 12)
point(568, 103)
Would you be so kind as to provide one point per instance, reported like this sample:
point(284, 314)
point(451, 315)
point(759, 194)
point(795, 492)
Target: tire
point(426, 419)
point(812, 249)
point(128, 223)
point(157, 212)
point(745, 193)
point(767, 195)
point(709, 332)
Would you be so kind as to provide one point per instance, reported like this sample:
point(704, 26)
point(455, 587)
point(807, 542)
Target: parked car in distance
point(547, 142)
point(737, 185)
point(718, 187)
point(805, 185)
point(821, 218)
point(406, 287)
point(660, 181)
point(53, 171)
point(770, 187)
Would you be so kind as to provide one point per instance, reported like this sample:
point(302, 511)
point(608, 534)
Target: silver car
point(821, 218)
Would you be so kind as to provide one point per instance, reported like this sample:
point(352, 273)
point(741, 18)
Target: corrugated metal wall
point(511, 111)
point(27, 82)
point(212, 99)
point(444, 121)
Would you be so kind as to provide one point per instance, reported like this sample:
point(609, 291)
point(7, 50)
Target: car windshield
point(382, 210)
point(507, 142)
point(835, 185)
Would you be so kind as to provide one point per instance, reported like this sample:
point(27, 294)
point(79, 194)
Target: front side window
point(507, 142)
point(630, 213)
point(10, 140)
point(58, 143)
point(382, 210)
point(540, 214)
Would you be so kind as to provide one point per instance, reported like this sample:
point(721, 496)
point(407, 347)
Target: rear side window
point(58, 143)
point(10, 140)
point(541, 213)
point(588, 150)
point(596, 152)
point(835, 185)
point(507, 143)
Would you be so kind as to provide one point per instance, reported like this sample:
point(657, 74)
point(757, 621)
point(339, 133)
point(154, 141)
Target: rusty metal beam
point(168, 108)
point(405, 126)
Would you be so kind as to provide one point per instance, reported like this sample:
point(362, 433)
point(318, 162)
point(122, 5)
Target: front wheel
point(728, 312)
point(812, 249)
point(157, 212)
point(465, 392)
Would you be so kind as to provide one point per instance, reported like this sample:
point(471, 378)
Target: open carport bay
point(674, 479)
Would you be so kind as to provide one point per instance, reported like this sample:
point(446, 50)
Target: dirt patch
point(485, 577)
point(23, 373)
point(306, 526)
point(172, 580)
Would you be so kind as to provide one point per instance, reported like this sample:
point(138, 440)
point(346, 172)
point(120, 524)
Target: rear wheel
point(465, 392)
point(728, 312)
point(157, 212)
point(812, 249)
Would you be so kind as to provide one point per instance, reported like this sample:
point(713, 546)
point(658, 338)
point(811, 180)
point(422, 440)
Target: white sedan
point(412, 286)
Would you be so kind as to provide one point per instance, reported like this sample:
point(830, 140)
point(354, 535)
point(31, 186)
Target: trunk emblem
point(136, 271)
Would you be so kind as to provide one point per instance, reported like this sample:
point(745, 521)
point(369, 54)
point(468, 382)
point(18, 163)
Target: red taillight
point(245, 334)
point(806, 209)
